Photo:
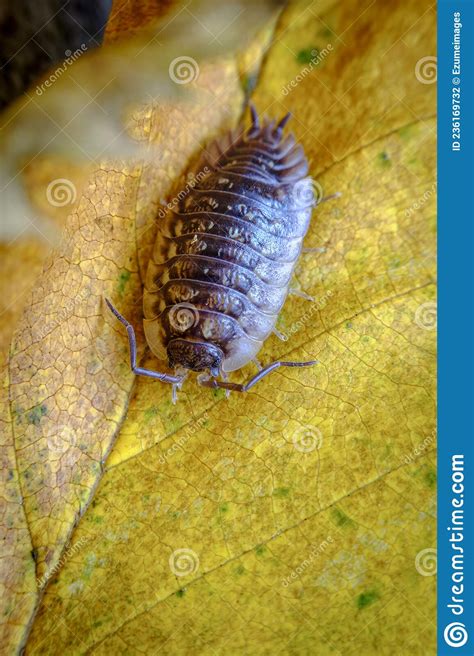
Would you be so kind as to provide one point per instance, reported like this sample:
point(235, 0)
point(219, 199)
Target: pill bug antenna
point(254, 117)
point(132, 342)
point(239, 387)
point(279, 128)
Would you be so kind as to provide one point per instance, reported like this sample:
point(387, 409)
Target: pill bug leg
point(320, 249)
point(280, 335)
point(224, 378)
point(338, 194)
point(257, 364)
point(315, 249)
point(236, 387)
point(297, 292)
point(174, 393)
point(165, 378)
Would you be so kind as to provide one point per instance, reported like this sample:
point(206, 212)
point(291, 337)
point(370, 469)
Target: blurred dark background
point(36, 34)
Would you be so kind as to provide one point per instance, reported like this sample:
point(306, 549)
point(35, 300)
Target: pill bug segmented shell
point(225, 254)
point(223, 259)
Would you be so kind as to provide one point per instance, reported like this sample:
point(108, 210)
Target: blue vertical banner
point(455, 327)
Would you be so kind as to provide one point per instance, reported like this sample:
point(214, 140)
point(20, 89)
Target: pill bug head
point(193, 355)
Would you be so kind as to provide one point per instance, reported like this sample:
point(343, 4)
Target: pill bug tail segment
point(165, 378)
point(244, 387)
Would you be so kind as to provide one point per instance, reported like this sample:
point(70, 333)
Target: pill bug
point(224, 257)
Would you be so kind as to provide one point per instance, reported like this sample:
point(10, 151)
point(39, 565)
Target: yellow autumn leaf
point(299, 517)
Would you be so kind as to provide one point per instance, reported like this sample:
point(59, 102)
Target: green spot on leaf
point(34, 416)
point(384, 159)
point(430, 477)
point(395, 263)
point(124, 277)
point(281, 492)
point(307, 55)
point(406, 132)
point(89, 566)
point(341, 518)
point(151, 412)
point(260, 550)
point(367, 598)
point(180, 593)
point(326, 32)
